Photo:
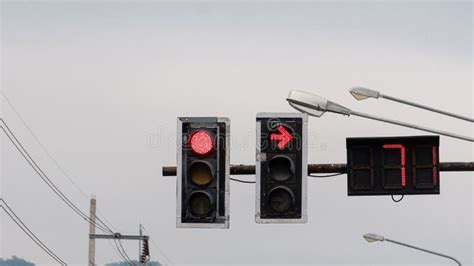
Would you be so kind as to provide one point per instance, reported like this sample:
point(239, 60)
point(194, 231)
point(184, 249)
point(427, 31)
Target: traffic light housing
point(393, 165)
point(203, 172)
point(281, 168)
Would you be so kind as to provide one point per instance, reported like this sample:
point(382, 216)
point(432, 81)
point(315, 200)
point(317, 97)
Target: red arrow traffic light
point(284, 137)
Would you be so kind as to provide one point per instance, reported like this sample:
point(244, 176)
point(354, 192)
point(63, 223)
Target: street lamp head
point(307, 103)
point(360, 93)
point(373, 237)
point(313, 104)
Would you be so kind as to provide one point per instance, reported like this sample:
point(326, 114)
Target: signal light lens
point(201, 143)
point(281, 199)
point(281, 168)
point(200, 204)
point(200, 173)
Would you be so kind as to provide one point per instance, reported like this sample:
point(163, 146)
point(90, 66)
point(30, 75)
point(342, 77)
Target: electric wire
point(311, 175)
point(114, 248)
point(124, 258)
point(104, 227)
point(397, 200)
point(41, 145)
point(125, 252)
point(46, 179)
point(157, 247)
point(242, 181)
point(55, 162)
point(324, 176)
point(29, 233)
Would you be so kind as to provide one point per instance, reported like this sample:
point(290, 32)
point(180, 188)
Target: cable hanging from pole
point(55, 162)
point(124, 252)
point(102, 225)
point(9, 211)
point(325, 176)
point(14, 140)
point(157, 247)
point(123, 257)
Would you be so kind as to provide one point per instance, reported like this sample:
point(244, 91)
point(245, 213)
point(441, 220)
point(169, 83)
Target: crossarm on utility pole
point(119, 236)
point(328, 168)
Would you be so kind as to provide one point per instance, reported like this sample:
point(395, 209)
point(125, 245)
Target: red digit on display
point(402, 159)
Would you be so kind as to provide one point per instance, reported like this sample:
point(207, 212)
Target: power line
point(62, 170)
point(102, 226)
point(43, 176)
point(29, 233)
point(311, 175)
point(157, 247)
point(43, 147)
point(397, 200)
point(117, 248)
point(242, 181)
point(14, 140)
point(324, 176)
point(123, 251)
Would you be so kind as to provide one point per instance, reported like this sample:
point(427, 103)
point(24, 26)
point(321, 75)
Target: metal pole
point(328, 168)
point(92, 231)
point(427, 108)
point(403, 124)
point(424, 250)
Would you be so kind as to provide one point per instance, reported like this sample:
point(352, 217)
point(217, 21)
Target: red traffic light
point(283, 137)
point(201, 143)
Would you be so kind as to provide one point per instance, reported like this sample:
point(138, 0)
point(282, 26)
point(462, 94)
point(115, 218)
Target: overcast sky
point(101, 85)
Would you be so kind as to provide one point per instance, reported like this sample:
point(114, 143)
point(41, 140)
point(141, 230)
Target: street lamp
point(360, 93)
point(316, 106)
point(374, 238)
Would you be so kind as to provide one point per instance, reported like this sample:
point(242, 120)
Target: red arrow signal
point(284, 137)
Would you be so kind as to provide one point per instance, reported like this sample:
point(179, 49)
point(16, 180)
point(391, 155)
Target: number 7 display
point(393, 165)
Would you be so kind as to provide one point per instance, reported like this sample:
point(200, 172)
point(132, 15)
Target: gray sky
point(101, 85)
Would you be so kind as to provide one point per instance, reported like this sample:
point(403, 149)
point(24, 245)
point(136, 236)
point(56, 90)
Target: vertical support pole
point(92, 231)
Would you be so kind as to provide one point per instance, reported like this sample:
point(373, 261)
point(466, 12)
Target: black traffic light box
point(203, 172)
point(281, 168)
point(393, 165)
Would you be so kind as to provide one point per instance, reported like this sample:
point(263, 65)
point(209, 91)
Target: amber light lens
point(200, 173)
point(280, 168)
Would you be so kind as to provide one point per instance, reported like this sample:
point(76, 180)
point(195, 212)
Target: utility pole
point(93, 206)
point(119, 237)
point(93, 236)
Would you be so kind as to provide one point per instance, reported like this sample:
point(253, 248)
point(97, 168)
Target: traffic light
point(203, 172)
point(281, 168)
point(393, 165)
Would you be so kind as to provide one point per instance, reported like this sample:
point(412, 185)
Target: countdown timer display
point(393, 165)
